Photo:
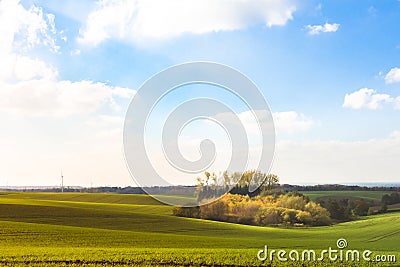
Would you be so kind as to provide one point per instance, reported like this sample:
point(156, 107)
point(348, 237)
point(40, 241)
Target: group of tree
point(283, 209)
point(345, 209)
point(390, 199)
point(213, 185)
point(271, 203)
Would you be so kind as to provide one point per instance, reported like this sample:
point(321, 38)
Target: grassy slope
point(125, 229)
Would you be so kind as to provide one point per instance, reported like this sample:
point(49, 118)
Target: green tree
point(361, 208)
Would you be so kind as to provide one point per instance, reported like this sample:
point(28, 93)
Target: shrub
point(304, 217)
point(393, 198)
point(361, 208)
point(384, 208)
point(215, 210)
point(268, 216)
point(245, 211)
point(290, 208)
point(320, 216)
point(190, 212)
point(291, 202)
point(290, 216)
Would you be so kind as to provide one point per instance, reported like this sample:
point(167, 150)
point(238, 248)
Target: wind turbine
point(62, 182)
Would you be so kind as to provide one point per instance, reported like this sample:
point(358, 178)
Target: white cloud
point(393, 76)
point(25, 28)
point(59, 98)
point(318, 29)
point(21, 30)
point(366, 98)
point(38, 139)
point(14, 68)
point(30, 86)
point(138, 20)
point(250, 123)
point(291, 122)
point(333, 161)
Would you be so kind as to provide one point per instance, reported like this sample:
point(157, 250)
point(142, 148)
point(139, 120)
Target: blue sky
point(328, 69)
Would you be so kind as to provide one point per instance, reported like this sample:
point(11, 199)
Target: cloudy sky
point(330, 71)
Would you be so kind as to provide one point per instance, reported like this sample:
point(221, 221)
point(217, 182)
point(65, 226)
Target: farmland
point(374, 196)
point(74, 229)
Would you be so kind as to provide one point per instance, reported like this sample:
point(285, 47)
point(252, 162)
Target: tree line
point(336, 187)
point(390, 199)
point(345, 209)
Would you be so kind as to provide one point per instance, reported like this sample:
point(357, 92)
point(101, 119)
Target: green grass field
point(71, 229)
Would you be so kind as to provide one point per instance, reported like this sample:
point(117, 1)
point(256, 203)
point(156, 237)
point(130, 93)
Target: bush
point(268, 216)
point(384, 208)
point(290, 216)
point(304, 217)
point(290, 208)
point(215, 210)
point(244, 210)
point(320, 216)
point(190, 212)
point(393, 198)
point(291, 201)
point(361, 208)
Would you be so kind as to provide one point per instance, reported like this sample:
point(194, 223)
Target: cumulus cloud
point(59, 98)
point(21, 30)
point(366, 98)
point(318, 29)
point(25, 28)
point(393, 76)
point(30, 86)
point(14, 68)
point(138, 20)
